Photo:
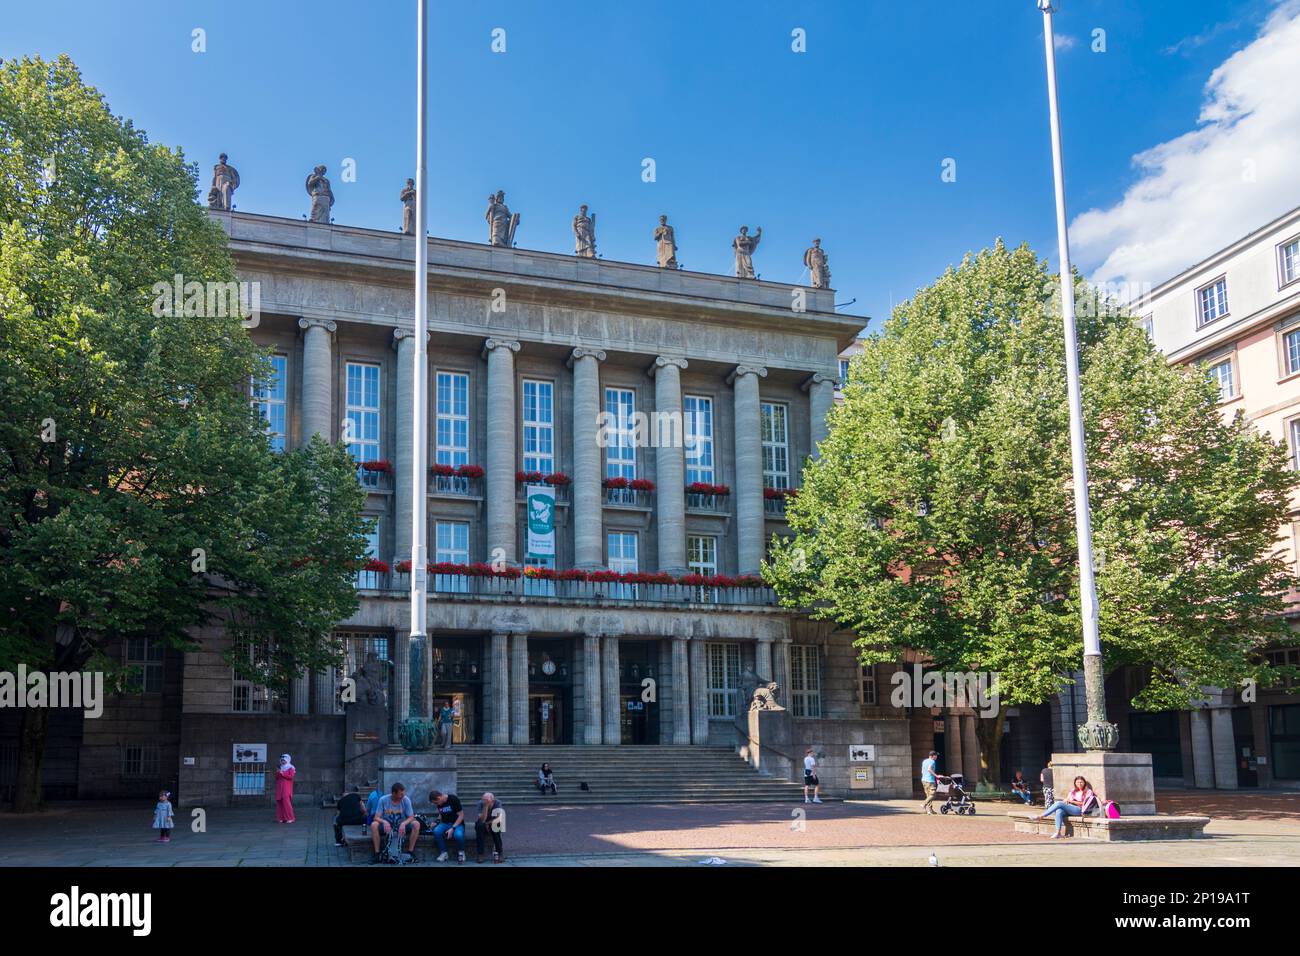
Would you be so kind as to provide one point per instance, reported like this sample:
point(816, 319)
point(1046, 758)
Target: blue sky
point(845, 141)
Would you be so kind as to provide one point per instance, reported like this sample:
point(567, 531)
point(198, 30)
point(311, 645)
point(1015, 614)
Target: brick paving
point(1248, 829)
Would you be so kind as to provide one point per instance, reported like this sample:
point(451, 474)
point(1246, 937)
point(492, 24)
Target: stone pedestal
point(420, 773)
point(1125, 778)
point(770, 747)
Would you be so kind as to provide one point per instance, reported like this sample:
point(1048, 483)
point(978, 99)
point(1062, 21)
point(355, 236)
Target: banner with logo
point(541, 521)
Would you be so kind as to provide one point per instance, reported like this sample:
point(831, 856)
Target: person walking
point(284, 775)
point(1045, 778)
point(810, 780)
point(163, 817)
point(446, 718)
point(929, 779)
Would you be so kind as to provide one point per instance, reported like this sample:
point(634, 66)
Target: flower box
point(382, 465)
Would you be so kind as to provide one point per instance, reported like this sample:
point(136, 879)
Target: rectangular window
point(622, 547)
point(702, 554)
point(776, 446)
point(1211, 302)
point(451, 546)
point(620, 450)
point(362, 417)
point(248, 695)
point(805, 680)
point(1221, 373)
point(1148, 324)
point(867, 685)
point(360, 649)
point(697, 433)
point(1291, 351)
point(1293, 434)
point(1288, 260)
point(539, 426)
point(140, 760)
point(844, 372)
point(724, 678)
point(144, 659)
point(451, 445)
point(269, 400)
point(370, 579)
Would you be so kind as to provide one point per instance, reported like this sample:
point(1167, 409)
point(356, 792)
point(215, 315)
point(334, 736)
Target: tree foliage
point(940, 514)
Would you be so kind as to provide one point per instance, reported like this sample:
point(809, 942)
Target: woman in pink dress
point(284, 790)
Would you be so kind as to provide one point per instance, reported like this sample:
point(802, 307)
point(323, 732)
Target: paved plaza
point(1247, 830)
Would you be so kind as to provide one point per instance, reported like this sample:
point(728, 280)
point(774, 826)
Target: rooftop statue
point(225, 180)
point(744, 246)
point(501, 222)
point(322, 198)
point(584, 234)
point(407, 196)
point(666, 243)
point(818, 265)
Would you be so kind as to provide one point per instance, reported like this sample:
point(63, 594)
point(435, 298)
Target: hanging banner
point(541, 521)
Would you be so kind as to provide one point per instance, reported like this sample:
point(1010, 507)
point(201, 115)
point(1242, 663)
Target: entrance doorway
point(638, 662)
point(545, 718)
point(550, 690)
point(1243, 740)
point(456, 681)
point(1159, 735)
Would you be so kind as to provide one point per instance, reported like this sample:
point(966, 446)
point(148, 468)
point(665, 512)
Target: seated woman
point(1020, 787)
point(1081, 800)
point(545, 779)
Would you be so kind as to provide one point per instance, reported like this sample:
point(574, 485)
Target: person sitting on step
point(546, 779)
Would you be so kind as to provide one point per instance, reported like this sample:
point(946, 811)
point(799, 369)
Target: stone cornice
point(583, 352)
point(742, 370)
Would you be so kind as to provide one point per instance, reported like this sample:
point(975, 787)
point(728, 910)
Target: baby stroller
point(958, 799)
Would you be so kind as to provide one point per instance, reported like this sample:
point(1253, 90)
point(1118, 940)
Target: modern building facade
point(1236, 315)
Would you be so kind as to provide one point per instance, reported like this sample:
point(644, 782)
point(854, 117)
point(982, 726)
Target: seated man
point(395, 815)
point(450, 818)
point(1020, 787)
point(352, 811)
point(546, 779)
point(491, 820)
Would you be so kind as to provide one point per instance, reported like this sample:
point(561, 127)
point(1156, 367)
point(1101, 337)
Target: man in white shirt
point(810, 780)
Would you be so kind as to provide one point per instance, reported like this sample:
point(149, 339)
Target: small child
point(162, 816)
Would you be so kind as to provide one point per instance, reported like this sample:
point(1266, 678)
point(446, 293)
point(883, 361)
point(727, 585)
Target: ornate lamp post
point(1097, 733)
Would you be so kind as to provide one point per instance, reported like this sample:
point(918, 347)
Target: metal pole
point(1096, 734)
point(420, 387)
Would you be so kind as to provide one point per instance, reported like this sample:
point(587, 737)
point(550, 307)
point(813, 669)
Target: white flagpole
point(1093, 735)
point(420, 384)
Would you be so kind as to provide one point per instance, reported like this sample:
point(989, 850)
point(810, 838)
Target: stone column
point(970, 750)
point(681, 693)
point(751, 534)
point(300, 693)
point(403, 452)
point(699, 693)
point(401, 696)
point(763, 658)
point(952, 742)
point(501, 464)
point(670, 468)
point(781, 671)
point(821, 398)
point(1202, 749)
point(610, 691)
point(317, 415)
point(518, 687)
point(588, 513)
point(1225, 748)
point(592, 679)
point(499, 706)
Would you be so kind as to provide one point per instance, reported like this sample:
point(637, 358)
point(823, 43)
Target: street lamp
point(1097, 733)
point(419, 389)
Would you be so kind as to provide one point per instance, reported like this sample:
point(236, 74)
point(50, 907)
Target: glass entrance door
point(545, 718)
point(634, 720)
point(1243, 739)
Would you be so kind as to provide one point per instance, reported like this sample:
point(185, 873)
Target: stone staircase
point(632, 774)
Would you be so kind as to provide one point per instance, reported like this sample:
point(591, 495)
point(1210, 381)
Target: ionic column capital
point(329, 325)
point(663, 361)
point(742, 370)
point(399, 335)
point(583, 352)
point(493, 344)
point(818, 378)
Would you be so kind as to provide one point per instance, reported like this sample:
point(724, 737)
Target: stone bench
point(1154, 827)
point(361, 850)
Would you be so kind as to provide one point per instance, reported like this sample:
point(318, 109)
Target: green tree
point(141, 497)
point(940, 518)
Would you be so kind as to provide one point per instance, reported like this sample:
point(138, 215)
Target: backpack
point(1112, 809)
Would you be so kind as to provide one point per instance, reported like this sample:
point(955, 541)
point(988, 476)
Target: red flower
point(558, 478)
point(771, 493)
point(541, 574)
point(374, 564)
point(402, 567)
point(573, 574)
point(619, 482)
point(528, 477)
point(470, 471)
point(641, 484)
point(444, 471)
point(379, 464)
point(704, 488)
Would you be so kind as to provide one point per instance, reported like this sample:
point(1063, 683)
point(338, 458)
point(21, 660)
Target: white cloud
point(1063, 41)
point(1209, 187)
